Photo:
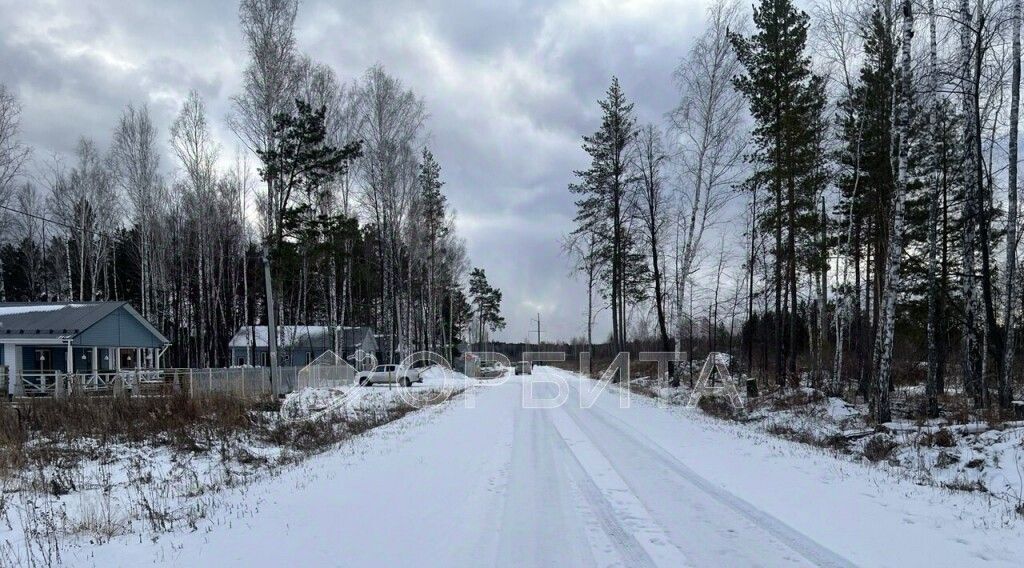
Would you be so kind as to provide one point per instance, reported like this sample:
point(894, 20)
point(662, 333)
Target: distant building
point(299, 345)
point(49, 337)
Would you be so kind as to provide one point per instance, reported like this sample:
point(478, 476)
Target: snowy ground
point(484, 480)
point(93, 491)
point(970, 454)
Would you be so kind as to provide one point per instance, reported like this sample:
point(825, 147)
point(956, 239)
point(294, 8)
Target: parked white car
point(390, 374)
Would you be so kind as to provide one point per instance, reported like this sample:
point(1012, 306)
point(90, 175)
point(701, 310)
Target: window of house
point(309, 357)
point(264, 359)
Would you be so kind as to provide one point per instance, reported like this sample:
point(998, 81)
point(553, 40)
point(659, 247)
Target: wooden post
point(69, 360)
point(60, 385)
point(12, 356)
point(271, 321)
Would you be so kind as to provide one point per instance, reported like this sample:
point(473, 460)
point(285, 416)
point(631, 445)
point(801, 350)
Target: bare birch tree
point(884, 345)
point(391, 129)
point(269, 80)
point(708, 138)
point(654, 213)
point(136, 162)
point(935, 134)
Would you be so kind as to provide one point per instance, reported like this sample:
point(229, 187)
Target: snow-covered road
point(579, 484)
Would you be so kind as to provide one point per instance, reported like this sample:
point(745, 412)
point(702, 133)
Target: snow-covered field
point(491, 479)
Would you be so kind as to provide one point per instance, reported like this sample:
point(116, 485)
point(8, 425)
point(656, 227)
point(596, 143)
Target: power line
point(92, 231)
point(58, 223)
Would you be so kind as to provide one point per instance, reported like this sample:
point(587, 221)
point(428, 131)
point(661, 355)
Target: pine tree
point(434, 214)
point(487, 303)
point(303, 163)
point(1006, 376)
point(787, 101)
point(603, 207)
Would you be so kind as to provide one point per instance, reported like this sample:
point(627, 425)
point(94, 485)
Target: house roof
point(53, 320)
point(294, 336)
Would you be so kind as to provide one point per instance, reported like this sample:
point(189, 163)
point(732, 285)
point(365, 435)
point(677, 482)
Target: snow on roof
point(11, 310)
point(286, 334)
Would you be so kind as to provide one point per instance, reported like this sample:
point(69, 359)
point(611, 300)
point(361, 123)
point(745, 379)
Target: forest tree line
point(333, 183)
point(833, 201)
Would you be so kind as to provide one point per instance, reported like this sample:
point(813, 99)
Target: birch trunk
point(881, 406)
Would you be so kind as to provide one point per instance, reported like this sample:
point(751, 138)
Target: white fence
point(57, 384)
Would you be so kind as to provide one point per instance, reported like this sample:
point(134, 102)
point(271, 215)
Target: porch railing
point(56, 383)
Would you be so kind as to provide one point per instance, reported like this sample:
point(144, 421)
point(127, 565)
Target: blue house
point(299, 345)
point(42, 339)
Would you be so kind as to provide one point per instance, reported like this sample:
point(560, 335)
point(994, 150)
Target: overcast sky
point(510, 88)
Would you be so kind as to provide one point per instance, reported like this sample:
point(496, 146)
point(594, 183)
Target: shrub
point(944, 439)
point(946, 459)
point(796, 398)
point(717, 406)
point(879, 447)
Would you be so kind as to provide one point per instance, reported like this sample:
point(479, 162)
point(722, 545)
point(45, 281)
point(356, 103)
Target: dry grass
point(717, 406)
point(319, 434)
point(943, 438)
point(47, 431)
point(793, 398)
point(58, 460)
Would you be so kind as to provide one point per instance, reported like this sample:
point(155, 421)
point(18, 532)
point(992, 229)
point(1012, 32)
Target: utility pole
point(538, 329)
point(271, 320)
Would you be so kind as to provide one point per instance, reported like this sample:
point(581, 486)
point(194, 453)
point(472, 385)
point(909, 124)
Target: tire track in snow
point(537, 528)
point(625, 543)
point(795, 540)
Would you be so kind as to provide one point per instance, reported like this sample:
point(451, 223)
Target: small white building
point(298, 345)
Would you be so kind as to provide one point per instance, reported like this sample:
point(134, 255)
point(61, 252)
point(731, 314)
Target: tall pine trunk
point(971, 363)
point(932, 381)
point(1006, 376)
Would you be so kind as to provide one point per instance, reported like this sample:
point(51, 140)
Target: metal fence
point(241, 382)
point(326, 371)
point(255, 382)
